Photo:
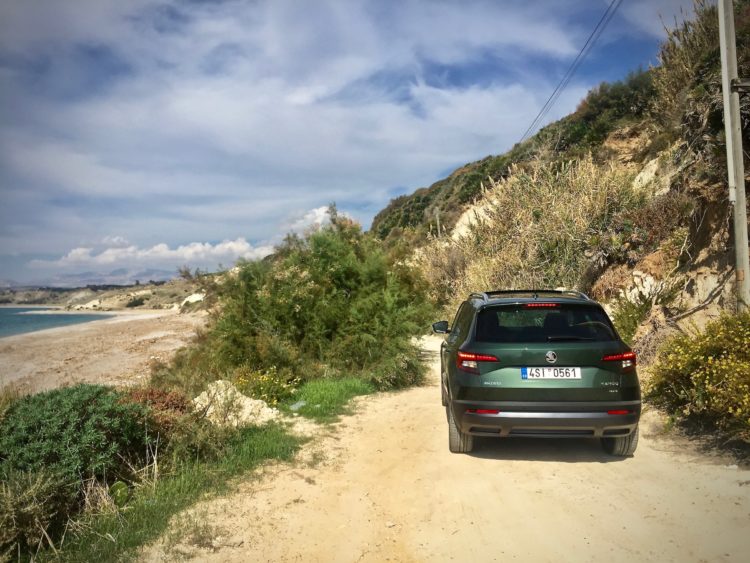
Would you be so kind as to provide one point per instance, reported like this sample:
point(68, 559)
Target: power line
point(595, 34)
point(582, 54)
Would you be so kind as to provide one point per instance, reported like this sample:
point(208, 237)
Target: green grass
point(327, 399)
point(117, 536)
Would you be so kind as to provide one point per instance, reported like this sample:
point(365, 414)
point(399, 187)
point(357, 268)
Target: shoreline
point(35, 306)
point(117, 350)
point(106, 316)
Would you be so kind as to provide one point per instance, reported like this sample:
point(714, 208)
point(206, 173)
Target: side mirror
point(440, 327)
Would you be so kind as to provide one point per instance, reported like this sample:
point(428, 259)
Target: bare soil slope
point(387, 489)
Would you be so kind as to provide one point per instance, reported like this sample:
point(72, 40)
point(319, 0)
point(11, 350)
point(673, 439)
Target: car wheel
point(458, 442)
point(621, 445)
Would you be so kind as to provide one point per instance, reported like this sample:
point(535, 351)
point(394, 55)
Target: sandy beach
point(116, 350)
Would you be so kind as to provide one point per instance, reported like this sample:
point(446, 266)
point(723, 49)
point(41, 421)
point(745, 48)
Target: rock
point(226, 406)
point(194, 298)
point(647, 175)
point(656, 177)
point(643, 285)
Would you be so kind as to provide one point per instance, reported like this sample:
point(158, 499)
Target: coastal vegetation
point(328, 305)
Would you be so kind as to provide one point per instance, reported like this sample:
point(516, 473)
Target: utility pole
point(731, 86)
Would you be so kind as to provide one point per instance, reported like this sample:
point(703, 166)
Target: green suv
point(538, 364)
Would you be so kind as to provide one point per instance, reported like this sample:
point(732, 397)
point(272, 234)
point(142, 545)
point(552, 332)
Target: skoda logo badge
point(551, 357)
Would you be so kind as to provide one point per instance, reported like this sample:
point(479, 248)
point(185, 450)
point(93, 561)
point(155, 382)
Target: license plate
point(550, 373)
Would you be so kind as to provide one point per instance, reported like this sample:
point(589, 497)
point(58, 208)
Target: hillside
point(607, 108)
point(625, 198)
point(671, 111)
point(172, 294)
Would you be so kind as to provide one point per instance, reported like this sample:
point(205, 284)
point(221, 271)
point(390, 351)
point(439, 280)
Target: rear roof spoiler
point(534, 293)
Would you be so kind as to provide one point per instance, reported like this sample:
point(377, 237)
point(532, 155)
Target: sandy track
point(115, 351)
point(389, 490)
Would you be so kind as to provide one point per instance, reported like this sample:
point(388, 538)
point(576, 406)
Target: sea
point(20, 320)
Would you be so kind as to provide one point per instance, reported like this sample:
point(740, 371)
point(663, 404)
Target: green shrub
point(399, 370)
point(76, 432)
point(332, 302)
point(604, 109)
point(629, 314)
point(136, 301)
point(50, 444)
point(706, 377)
point(193, 438)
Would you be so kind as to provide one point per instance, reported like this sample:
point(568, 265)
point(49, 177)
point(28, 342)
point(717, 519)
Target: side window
point(458, 328)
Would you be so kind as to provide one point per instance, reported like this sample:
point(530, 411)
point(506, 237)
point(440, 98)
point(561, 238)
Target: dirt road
point(387, 489)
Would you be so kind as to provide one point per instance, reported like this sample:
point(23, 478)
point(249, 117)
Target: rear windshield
point(531, 322)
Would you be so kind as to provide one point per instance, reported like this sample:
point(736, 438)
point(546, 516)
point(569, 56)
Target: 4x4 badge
point(551, 357)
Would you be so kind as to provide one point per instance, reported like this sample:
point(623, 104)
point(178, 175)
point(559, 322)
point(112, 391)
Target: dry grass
point(28, 507)
point(684, 58)
point(541, 227)
point(8, 395)
point(96, 498)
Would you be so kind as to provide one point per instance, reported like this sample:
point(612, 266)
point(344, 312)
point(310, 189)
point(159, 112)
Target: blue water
point(16, 320)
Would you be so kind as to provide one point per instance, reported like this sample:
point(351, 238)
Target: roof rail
point(535, 292)
point(580, 294)
point(479, 295)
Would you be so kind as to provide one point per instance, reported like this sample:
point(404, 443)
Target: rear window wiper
point(569, 337)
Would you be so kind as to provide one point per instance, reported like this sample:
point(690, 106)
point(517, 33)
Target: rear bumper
point(546, 419)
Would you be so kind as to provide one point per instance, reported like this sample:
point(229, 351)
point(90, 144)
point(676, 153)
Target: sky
point(151, 134)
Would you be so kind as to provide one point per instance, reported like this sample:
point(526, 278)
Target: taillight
point(618, 411)
point(469, 361)
point(482, 411)
point(541, 305)
point(627, 359)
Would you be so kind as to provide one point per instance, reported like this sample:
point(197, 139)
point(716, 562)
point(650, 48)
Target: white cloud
point(200, 254)
point(115, 241)
point(651, 16)
point(313, 219)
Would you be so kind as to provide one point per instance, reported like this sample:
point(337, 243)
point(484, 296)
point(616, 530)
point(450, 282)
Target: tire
point(622, 446)
point(458, 442)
